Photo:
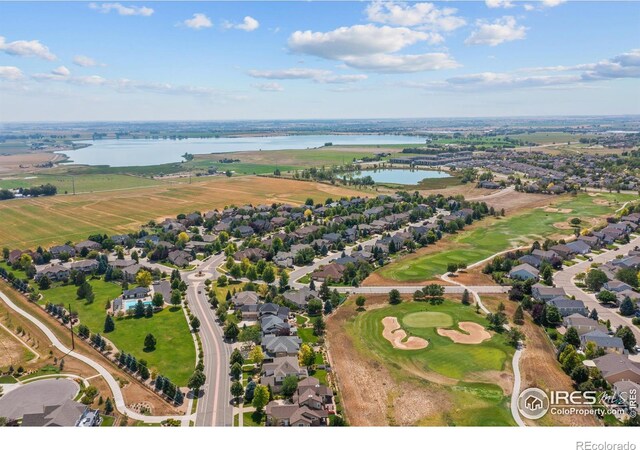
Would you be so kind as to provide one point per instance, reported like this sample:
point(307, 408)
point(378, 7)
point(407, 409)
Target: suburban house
point(274, 373)
point(54, 273)
point(301, 297)
point(332, 271)
point(180, 258)
point(616, 286)
point(275, 346)
point(67, 414)
point(545, 293)
point(252, 254)
point(567, 307)
point(627, 392)
point(615, 367)
point(579, 247)
point(274, 325)
point(310, 406)
point(564, 251)
point(524, 272)
point(249, 313)
point(88, 245)
point(135, 293)
point(273, 309)
point(532, 260)
point(583, 324)
point(58, 250)
point(609, 344)
point(244, 298)
point(86, 266)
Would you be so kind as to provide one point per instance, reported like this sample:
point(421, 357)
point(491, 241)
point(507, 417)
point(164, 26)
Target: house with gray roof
point(583, 324)
point(524, 272)
point(274, 373)
point(567, 307)
point(616, 367)
point(610, 344)
point(275, 346)
point(545, 293)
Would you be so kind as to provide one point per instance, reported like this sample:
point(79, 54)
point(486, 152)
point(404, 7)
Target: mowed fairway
point(458, 365)
point(491, 235)
point(174, 356)
point(27, 223)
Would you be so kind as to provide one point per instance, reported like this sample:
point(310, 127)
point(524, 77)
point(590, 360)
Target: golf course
point(493, 235)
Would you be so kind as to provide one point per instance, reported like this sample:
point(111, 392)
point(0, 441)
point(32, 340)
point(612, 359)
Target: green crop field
point(83, 183)
point(484, 404)
point(494, 235)
point(174, 356)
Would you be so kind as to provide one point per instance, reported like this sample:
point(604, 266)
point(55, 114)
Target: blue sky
point(288, 60)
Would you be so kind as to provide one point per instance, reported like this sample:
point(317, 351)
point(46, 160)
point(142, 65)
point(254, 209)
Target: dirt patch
point(558, 210)
point(394, 333)
point(474, 277)
point(474, 333)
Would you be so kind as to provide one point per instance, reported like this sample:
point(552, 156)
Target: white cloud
point(106, 8)
point(10, 73)
point(85, 61)
point(198, 21)
point(26, 48)
point(317, 75)
point(499, 3)
point(424, 15)
point(247, 24)
point(502, 30)
point(542, 5)
point(371, 47)
point(61, 71)
point(269, 87)
point(552, 3)
point(626, 65)
point(389, 63)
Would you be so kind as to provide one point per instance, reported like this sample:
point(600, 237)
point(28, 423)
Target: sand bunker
point(395, 334)
point(476, 333)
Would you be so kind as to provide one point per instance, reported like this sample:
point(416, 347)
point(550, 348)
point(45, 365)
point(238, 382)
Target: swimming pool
point(130, 304)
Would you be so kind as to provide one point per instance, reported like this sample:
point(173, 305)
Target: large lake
point(400, 176)
point(150, 152)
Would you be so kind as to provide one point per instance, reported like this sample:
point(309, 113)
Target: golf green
point(427, 319)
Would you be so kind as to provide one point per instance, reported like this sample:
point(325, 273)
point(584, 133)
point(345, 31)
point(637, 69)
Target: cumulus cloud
point(371, 47)
point(26, 48)
point(247, 24)
point(269, 87)
point(123, 10)
point(499, 3)
point(198, 21)
point(317, 75)
point(542, 5)
point(61, 71)
point(504, 29)
point(424, 15)
point(85, 61)
point(10, 73)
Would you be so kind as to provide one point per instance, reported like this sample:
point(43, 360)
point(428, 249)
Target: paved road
point(111, 381)
point(214, 406)
point(565, 279)
point(457, 289)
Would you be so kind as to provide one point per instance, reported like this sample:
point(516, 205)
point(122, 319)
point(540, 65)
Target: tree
point(571, 337)
point(231, 331)
point(360, 301)
point(84, 290)
point(237, 390)
point(547, 275)
point(176, 298)
point(158, 300)
point(579, 374)
point(627, 307)
point(149, 343)
point(268, 275)
point(235, 371)
point(628, 339)
point(83, 331)
point(289, 385)
point(318, 326)
point(109, 325)
point(260, 397)
point(144, 278)
point(198, 378)
point(518, 316)
point(606, 297)
point(108, 406)
point(596, 279)
point(236, 357)
point(394, 297)
point(284, 281)
point(328, 308)
point(256, 355)
point(306, 356)
point(139, 309)
point(44, 283)
point(552, 316)
point(593, 314)
point(514, 336)
point(466, 297)
point(569, 359)
point(314, 306)
point(628, 275)
point(195, 324)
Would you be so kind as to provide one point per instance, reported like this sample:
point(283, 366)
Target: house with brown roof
point(331, 271)
point(615, 367)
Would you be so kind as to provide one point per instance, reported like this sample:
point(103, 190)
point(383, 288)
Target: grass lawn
point(301, 320)
point(253, 419)
point(474, 403)
point(107, 421)
point(83, 183)
point(7, 379)
point(307, 336)
point(493, 235)
point(174, 356)
point(45, 370)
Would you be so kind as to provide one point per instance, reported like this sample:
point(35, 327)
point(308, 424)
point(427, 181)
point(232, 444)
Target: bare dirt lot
point(25, 162)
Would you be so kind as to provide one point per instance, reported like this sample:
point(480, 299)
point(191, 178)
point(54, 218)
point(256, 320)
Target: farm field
point(493, 235)
point(449, 383)
point(174, 356)
point(83, 183)
point(28, 223)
